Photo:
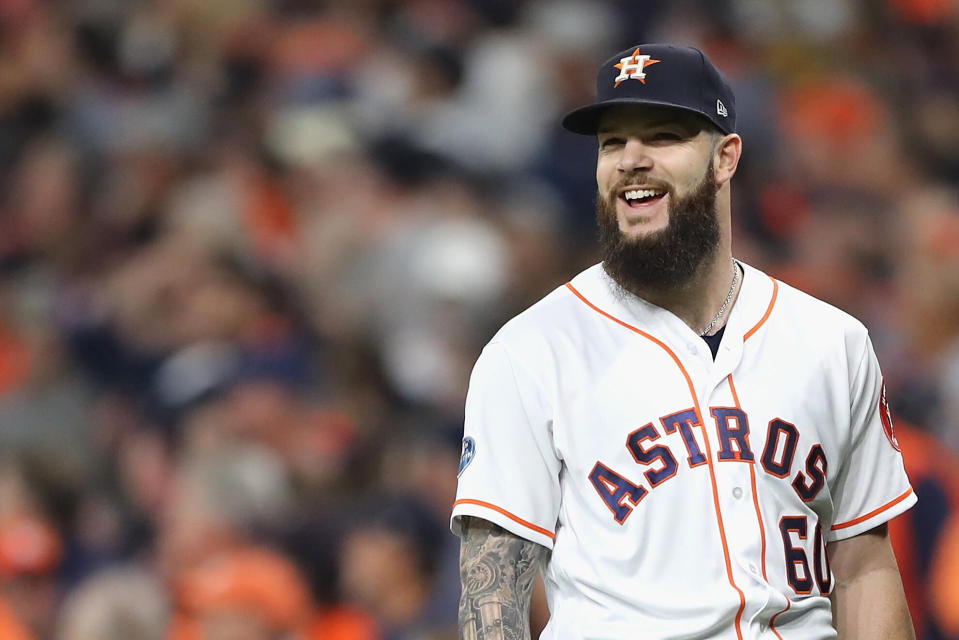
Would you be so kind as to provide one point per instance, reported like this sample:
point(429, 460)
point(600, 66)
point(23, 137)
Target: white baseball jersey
point(682, 497)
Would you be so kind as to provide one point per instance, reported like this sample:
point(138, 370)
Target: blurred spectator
point(253, 594)
point(424, 463)
point(116, 604)
point(921, 538)
point(10, 627)
point(388, 568)
point(30, 553)
point(943, 584)
point(221, 497)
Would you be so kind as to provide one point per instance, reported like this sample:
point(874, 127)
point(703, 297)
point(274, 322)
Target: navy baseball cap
point(659, 75)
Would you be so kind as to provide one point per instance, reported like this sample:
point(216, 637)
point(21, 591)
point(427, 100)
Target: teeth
point(637, 194)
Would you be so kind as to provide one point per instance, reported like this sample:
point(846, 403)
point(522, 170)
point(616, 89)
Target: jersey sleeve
point(872, 486)
point(509, 471)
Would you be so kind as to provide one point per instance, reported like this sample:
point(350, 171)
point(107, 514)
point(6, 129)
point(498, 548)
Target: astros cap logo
point(632, 67)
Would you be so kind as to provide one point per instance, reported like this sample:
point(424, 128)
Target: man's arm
point(497, 569)
point(867, 599)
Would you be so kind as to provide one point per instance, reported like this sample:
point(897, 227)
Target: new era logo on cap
point(682, 78)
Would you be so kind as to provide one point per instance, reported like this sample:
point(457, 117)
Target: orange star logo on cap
point(631, 67)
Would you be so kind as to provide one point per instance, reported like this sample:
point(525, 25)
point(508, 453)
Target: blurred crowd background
point(250, 249)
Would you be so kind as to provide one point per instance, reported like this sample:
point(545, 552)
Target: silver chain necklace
point(729, 296)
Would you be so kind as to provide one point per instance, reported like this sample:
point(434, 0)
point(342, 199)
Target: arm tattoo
point(497, 569)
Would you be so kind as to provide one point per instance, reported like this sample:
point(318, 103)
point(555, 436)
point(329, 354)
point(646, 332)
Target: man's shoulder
point(807, 308)
point(556, 314)
point(810, 321)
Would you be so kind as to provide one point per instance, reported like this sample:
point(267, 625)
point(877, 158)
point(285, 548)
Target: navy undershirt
point(714, 340)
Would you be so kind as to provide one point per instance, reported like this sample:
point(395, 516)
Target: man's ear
point(726, 153)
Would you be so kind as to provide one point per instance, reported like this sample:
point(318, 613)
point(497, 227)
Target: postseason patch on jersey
point(469, 449)
point(884, 414)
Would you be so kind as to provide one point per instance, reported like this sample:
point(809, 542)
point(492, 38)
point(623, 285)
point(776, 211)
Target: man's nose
point(635, 156)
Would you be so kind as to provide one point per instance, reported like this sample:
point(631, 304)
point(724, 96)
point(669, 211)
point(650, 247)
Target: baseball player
point(684, 446)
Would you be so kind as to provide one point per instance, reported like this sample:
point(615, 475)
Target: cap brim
point(585, 120)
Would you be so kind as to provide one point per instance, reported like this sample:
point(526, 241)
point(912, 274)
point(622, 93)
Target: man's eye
point(611, 142)
point(667, 135)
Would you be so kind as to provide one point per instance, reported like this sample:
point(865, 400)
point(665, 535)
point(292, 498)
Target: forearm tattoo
point(497, 569)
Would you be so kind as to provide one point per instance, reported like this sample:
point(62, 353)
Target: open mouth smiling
point(641, 196)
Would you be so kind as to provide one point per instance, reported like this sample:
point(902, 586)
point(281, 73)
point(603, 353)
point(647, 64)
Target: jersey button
point(753, 568)
point(737, 493)
point(691, 347)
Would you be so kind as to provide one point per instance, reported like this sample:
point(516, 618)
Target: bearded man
point(684, 446)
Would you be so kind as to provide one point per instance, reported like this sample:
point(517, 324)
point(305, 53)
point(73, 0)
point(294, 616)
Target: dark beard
point(667, 258)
